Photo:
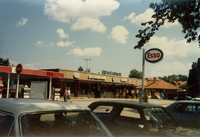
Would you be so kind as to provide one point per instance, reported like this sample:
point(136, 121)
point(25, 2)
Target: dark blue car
point(186, 112)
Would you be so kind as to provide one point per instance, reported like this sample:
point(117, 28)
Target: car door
point(184, 113)
point(197, 123)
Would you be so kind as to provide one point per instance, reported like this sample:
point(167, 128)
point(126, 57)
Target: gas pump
point(1, 87)
point(26, 92)
point(56, 94)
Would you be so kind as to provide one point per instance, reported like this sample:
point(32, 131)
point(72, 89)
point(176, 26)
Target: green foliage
point(135, 74)
point(186, 12)
point(194, 76)
point(172, 78)
point(4, 62)
point(80, 68)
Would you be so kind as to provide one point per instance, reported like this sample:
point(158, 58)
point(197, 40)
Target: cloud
point(62, 34)
point(173, 48)
point(22, 22)
point(168, 68)
point(178, 56)
point(76, 11)
point(43, 43)
point(86, 52)
point(40, 43)
point(32, 66)
point(144, 17)
point(89, 23)
point(51, 44)
point(119, 34)
point(65, 44)
point(51, 62)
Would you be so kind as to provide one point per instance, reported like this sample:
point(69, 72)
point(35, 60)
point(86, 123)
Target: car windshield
point(61, 124)
point(158, 119)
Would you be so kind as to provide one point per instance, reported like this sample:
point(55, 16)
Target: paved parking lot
point(86, 101)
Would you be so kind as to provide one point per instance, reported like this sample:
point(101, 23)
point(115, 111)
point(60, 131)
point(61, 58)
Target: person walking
point(69, 95)
point(65, 95)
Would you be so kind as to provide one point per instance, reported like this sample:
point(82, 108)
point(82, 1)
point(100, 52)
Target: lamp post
point(87, 59)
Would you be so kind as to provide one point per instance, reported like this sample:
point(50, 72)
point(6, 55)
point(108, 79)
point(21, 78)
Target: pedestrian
point(127, 94)
point(69, 95)
point(65, 95)
point(123, 93)
point(132, 92)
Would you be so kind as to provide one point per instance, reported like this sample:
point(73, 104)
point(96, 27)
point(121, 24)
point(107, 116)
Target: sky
point(51, 34)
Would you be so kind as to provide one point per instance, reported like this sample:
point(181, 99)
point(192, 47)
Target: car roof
point(187, 101)
point(19, 106)
point(124, 103)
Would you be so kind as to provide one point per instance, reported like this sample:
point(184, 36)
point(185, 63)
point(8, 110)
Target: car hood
point(179, 132)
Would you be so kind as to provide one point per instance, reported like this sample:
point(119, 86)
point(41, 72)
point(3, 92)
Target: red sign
point(154, 55)
point(19, 68)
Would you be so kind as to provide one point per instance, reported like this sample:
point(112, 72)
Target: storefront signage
point(111, 73)
point(97, 77)
point(123, 80)
point(154, 55)
point(76, 75)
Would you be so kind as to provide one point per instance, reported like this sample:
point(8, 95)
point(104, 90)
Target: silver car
point(27, 117)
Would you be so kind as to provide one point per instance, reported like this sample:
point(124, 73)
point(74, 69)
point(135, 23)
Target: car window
point(180, 107)
point(130, 112)
point(198, 106)
point(61, 124)
point(157, 118)
point(190, 109)
point(103, 109)
point(6, 124)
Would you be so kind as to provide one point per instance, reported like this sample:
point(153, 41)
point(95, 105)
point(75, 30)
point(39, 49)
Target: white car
point(28, 117)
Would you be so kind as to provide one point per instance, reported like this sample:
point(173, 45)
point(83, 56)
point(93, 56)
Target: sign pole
point(143, 70)
point(18, 71)
point(16, 93)
point(8, 85)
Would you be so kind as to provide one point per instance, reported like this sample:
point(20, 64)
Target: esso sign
point(154, 55)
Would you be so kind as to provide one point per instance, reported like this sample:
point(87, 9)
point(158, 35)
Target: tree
point(4, 62)
point(194, 77)
point(135, 74)
point(80, 69)
point(186, 12)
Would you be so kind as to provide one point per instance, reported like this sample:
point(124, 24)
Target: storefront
point(27, 77)
point(86, 84)
point(82, 84)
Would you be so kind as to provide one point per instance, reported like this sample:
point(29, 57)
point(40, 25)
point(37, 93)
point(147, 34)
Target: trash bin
point(26, 92)
point(56, 94)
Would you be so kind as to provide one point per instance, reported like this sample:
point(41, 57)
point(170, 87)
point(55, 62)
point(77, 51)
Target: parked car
point(127, 118)
point(186, 112)
point(183, 98)
point(28, 117)
point(155, 97)
point(196, 98)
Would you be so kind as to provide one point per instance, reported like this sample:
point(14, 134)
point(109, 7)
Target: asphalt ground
point(86, 101)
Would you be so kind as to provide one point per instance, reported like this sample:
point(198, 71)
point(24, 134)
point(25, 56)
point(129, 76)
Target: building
point(86, 84)
point(82, 84)
point(158, 87)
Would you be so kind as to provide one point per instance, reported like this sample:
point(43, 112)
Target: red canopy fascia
point(33, 72)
